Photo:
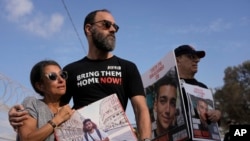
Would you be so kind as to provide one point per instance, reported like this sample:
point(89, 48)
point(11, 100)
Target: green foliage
point(233, 99)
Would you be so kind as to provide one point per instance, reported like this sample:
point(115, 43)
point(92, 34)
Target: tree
point(233, 99)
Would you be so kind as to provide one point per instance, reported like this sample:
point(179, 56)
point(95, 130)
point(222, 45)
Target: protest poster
point(106, 114)
point(173, 122)
point(200, 101)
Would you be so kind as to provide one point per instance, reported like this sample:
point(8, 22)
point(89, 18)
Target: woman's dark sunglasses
point(53, 76)
point(107, 24)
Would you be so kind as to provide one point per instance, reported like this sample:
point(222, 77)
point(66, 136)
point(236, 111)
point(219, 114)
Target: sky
point(31, 31)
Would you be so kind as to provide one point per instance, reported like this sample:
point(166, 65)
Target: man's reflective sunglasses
point(53, 76)
point(107, 24)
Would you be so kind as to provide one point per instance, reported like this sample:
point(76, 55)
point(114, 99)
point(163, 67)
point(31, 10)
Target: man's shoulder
point(125, 61)
point(201, 84)
point(72, 64)
point(195, 82)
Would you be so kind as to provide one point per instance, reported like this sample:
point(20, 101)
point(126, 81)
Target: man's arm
point(17, 115)
point(142, 116)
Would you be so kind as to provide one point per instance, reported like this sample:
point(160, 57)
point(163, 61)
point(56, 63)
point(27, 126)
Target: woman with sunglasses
point(49, 81)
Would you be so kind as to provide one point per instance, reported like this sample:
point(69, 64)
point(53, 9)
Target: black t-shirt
point(91, 80)
point(195, 82)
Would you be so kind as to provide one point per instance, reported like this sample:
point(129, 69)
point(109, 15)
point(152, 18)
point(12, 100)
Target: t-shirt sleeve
point(29, 104)
point(134, 81)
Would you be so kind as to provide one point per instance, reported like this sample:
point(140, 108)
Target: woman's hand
point(63, 114)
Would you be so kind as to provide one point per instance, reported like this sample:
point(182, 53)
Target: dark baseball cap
point(187, 49)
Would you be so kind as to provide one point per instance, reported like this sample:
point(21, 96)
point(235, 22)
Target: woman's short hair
point(38, 71)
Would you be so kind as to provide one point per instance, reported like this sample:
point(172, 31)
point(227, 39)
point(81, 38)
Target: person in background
point(187, 59)
point(165, 104)
point(101, 73)
point(44, 114)
point(91, 132)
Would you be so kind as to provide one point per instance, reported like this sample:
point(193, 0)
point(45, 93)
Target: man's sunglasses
point(53, 76)
point(192, 56)
point(107, 24)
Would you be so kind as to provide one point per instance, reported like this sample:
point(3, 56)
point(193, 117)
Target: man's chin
point(106, 49)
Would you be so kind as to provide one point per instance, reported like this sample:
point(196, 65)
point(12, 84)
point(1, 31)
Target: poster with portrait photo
point(200, 100)
point(106, 116)
point(165, 101)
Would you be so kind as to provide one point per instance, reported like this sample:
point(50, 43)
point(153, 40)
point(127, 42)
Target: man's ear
point(87, 28)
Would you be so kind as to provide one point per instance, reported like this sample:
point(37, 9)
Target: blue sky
point(35, 30)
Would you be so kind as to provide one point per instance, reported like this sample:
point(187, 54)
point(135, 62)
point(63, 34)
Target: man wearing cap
point(187, 59)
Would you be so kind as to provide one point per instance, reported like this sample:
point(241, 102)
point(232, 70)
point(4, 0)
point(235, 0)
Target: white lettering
point(111, 73)
point(114, 68)
point(87, 81)
point(87, 75)
point(243, 131)
point(237, 132)
point(240, 132)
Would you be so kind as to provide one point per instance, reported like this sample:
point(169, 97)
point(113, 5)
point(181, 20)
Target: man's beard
point(102, 42)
